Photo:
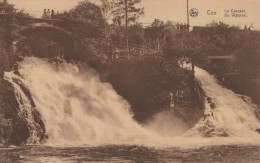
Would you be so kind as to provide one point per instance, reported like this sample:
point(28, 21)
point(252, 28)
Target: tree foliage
point(155, 33)
point(11, 21)
point(185, 45)
point(248, 56)
point(107, 7)
point(127, 10)
point(85, 20)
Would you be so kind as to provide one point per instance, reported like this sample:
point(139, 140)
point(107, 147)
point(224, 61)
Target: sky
point(173, 10)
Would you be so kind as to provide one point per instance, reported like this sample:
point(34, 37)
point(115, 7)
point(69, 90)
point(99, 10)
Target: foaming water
point(227, 113)
point(77, 109)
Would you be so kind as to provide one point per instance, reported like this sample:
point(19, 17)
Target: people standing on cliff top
point(52, 13)
point(48, 14)
point(44, 14)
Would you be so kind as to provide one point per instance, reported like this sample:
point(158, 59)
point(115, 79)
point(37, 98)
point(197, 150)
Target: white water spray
point(228, 115)
point(78, 109)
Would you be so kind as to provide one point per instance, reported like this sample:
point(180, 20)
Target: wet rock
point(41, 132)
point(14, 129)
point(146, 85)
point(212, 105)
point(209, 99)
point(20, 132)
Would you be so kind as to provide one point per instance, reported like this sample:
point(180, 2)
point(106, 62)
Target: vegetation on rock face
point(144, 81)
point(13, 128)
point(185, 45)
point(146, 84)
point(247, 67)
point(241, 74)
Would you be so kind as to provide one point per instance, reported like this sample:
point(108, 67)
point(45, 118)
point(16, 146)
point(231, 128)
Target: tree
point(10, 24)
point(88, 13)
point(158, 32)
point(224, 39)
point(107, 7)
point(136, 34)
point(248, 56)
point(154, 33)
point(185, 45)
point(85, 20)
point(87, 25)
point(6, 8)
point(127, 10)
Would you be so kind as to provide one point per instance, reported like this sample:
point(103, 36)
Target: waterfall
point(78, 109)
point(227, 113)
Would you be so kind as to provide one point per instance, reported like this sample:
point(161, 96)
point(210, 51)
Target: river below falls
point(125, 153)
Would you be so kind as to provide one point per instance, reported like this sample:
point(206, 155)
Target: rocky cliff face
point(147, 84)
point(14, 128)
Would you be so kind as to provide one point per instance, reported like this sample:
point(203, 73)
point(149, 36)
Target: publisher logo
point(194, 12)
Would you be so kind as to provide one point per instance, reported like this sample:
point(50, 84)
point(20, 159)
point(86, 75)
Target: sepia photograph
point(126, 81)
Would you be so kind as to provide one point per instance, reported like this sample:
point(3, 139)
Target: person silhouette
point(44, 14)
point(52, 13)
point(48, 14)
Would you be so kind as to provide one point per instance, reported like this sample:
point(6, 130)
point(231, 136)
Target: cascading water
point(226, 113)
point(26, 108)
point(78, 109)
